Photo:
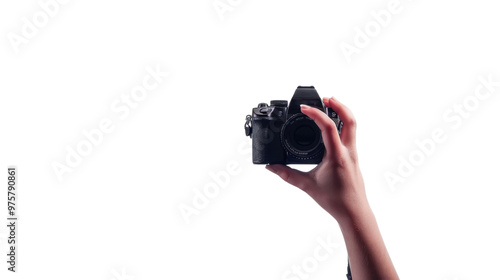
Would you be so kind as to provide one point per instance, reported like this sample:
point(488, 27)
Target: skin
point(336, 185)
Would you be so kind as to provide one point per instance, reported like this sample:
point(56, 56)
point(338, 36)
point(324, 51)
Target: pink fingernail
point(304, 106)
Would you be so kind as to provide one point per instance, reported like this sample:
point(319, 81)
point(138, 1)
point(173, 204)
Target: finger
point(348, 134)
point(300, 179)
point(328, 128)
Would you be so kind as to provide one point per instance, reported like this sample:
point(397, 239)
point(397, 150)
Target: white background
point(116, 215)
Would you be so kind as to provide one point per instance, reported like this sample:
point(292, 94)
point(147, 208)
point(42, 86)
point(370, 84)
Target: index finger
point(328, 128)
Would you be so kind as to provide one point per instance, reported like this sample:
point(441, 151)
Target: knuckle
point(343, 158)
point(330, 128)
point(350, 121)
point(343, 161)
point(285, 176)
point(340, 161)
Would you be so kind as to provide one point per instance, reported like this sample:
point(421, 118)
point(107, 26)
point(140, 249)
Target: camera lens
point(301, 137)
point(304, 135)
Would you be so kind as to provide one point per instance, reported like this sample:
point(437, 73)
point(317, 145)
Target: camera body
point(282, 134)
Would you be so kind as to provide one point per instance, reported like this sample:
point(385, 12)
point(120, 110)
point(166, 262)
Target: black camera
point(281, 134)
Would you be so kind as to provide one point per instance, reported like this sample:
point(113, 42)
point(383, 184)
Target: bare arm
point(337, 185)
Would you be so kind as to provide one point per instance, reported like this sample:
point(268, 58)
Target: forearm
point(368, 255)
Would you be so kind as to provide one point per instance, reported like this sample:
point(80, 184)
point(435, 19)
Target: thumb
point(300, 179)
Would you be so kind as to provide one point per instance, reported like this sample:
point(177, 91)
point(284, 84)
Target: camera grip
point(266, 142)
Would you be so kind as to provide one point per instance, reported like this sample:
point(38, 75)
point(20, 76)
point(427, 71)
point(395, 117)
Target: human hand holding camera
point(335, 183)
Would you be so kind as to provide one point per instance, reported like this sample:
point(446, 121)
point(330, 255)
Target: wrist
point(353, 211)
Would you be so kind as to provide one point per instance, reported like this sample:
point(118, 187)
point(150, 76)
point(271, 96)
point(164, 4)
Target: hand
point(336, 183)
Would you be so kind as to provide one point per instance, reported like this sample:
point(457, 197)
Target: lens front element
point(301, 137)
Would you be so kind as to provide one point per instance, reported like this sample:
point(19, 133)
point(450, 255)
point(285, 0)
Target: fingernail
point(304, 106)
point(270, 168)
